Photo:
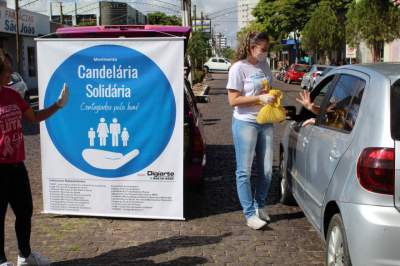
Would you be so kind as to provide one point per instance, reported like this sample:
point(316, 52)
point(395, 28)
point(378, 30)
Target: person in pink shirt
point(14, 182)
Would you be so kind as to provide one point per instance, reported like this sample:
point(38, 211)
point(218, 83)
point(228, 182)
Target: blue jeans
point(252, 139)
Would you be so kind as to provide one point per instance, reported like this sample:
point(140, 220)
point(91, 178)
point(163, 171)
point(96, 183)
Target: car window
point(321, 90)
point(221, 60)
point(341, 110)
point(301, 68)
point(395, 110)
point(321, 68)
point(214, 60)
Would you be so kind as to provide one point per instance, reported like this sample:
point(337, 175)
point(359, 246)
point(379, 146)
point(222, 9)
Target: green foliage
point(160, 18)
point(281, 17)
point(375, 22)
point(198, 48)
point(228, 53)
point(88, 23)
point(323, 32)
point(198, 76)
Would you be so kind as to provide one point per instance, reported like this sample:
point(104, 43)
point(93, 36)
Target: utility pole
point(76, 14)
point(17, 37)
point(195, 18)
point(186, 12)
point(61, 14)
point(202, 18)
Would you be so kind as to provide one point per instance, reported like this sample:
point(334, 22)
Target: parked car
point(322, 75)
point(295, 73)
point(344, 171)
point(217, 64)
point(18, 84)
point(310, 77)
point(194, 141)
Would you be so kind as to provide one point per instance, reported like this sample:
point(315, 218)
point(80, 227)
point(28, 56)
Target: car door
point(330, 138)
point(395, 130)
point(222, 65)
point(299, 138)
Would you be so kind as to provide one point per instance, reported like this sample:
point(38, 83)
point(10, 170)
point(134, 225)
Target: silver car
point(344, 170)
point(311, 76)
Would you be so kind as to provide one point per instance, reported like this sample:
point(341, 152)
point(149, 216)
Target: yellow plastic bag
point(274, 112)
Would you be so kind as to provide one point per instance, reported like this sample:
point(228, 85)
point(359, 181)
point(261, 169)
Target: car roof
point(389, 70)
point(110, 31)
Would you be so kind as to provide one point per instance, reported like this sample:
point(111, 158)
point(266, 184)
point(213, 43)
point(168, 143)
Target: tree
point(228, 53)
point(373, 21)
point(198, 49)
point(160, 18)
point(285, 16)
point(324, 33)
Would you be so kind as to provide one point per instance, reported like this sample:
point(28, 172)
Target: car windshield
point(300, 68)
point(395, 110)
point(321, 68)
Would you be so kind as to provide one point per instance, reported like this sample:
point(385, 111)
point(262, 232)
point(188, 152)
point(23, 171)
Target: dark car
point(194, 142)
point(295, 73)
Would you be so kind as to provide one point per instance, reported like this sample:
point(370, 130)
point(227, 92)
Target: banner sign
point(116, 148)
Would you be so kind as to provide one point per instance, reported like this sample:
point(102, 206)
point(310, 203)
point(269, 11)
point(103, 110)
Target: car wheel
point(337, 252)
point(286, 191)
point(207, 70)
point(289, 81)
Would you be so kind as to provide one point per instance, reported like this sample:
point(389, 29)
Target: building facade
point(244, 15)
point(31, 26)
point(97, 13)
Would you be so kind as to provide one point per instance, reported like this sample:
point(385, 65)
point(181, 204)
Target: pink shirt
point(12, 106)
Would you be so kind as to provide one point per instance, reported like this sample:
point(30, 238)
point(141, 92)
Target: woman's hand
point(63, 98)
point(305, 99)
point(267, 98)
point(308, 122)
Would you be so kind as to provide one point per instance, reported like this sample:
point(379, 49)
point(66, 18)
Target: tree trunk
point(376, 52)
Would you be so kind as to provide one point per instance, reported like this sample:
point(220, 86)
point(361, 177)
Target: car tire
point(289, 81)
point(206, 69)
point(336, 248)
point(285, 184)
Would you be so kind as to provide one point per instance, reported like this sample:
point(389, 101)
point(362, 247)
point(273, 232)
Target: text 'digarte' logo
point(159, 175)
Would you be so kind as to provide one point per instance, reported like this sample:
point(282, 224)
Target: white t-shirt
point(247, 79)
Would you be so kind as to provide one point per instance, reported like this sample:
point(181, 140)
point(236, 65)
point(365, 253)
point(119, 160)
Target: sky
point(222, 12)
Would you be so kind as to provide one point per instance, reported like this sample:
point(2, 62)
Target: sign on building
point(116, 148)
point(27, 22)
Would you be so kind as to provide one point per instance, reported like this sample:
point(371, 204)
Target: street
point(215, 232)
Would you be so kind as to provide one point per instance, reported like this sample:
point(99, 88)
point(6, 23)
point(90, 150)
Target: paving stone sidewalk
point(213, 234)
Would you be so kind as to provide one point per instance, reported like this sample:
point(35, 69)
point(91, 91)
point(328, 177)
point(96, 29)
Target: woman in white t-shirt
point(246, 93)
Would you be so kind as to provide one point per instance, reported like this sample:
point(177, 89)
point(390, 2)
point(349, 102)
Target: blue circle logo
point(120, 114)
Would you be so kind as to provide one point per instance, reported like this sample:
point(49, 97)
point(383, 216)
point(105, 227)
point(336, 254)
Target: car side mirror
point(202, 99)
point(290, 112)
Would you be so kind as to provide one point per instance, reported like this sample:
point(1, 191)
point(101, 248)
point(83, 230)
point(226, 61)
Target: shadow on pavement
point(218, 194)
point(136, 255)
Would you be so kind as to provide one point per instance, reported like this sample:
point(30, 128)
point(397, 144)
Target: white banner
point(116, 148)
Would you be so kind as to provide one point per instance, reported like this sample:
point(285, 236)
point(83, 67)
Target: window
point(395, 110)
point(214, 60)
point(221, 60)
point(31, 62)
point(341, 110)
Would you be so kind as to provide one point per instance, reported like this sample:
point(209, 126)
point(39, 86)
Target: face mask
point(262, 57)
